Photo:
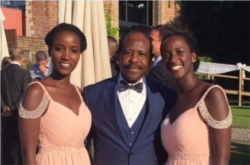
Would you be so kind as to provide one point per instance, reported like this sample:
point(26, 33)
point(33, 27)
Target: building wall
point(164, 12)
point(41, 16)
point(13, 19)
point(167, 12)
point(32, 44)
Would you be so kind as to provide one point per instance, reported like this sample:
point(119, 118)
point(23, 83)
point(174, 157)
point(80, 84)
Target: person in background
point(5, 62)
point(56, 120)
point(14, 81)
point(40, 68)
point(15, 50)
point(158, 70)
point(197, 130)
point(113, 45)
point(127, 109)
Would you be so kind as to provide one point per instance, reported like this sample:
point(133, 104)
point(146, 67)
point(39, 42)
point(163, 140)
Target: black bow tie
point(124, 86)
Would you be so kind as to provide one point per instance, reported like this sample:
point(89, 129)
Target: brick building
point(127, 13)
point(38, 17)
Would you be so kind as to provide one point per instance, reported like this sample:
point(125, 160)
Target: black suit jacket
point(14, 80)
point(159, 73)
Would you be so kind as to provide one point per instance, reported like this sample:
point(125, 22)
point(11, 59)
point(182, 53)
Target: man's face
point(134, 57)
point(156, 42)
point(43, 63)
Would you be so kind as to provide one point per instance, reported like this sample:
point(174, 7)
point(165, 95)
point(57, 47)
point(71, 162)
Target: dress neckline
point(52, 100)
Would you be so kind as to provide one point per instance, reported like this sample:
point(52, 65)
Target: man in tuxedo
point(14, 80)
point(127, 110)
point(158, 70)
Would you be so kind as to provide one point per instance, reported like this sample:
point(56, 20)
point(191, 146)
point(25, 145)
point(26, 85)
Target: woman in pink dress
point(197, 130)
point(53, 116)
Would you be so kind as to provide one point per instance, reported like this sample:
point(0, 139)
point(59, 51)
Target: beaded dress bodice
point(187, 139)
point(62, 132)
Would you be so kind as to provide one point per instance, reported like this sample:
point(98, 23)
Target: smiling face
point(134, 57)
point(65, 52)
point(178, 57)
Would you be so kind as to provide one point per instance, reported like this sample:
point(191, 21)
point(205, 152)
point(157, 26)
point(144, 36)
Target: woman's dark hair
point(190, 42)
point(49, 39)
point(120, 46)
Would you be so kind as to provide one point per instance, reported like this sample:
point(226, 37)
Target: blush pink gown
point(187, 139)
point(62, 134)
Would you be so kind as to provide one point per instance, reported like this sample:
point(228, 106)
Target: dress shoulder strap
point(206, 115)
point(42, 86)
point(78, 90)
point(26, 114)
point(206, 92)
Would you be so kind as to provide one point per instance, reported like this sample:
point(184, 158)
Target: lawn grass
point(241, 117)
point(240, 151)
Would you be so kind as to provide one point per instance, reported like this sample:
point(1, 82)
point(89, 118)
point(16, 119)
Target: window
point(5, 3)
point(13, 4)
point(135, 12)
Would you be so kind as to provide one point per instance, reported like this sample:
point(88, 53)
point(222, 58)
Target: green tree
point(111, 30)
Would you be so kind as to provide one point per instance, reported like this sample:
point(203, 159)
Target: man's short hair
point(164, 30)
point(14, 51)
point(18, 55)
point(41, 56)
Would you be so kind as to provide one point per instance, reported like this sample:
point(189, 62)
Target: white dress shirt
point(156, 60)
point(17, 63)
point(132, 101)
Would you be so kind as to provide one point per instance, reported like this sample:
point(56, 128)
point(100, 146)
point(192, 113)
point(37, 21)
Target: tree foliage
point(111, 30)
point(221, 28)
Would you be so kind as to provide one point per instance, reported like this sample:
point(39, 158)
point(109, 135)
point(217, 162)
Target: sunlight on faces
point(65, 52)
point(177, 57)
point(134, 57)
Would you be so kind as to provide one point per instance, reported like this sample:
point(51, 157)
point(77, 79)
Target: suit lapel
point(111, 101)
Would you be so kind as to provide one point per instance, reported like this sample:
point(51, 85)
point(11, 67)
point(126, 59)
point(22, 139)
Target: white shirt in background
point(156, 60)
point(17, 63)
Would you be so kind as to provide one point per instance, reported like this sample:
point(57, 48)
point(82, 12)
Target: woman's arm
point(30, 112)
point(218, 108)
